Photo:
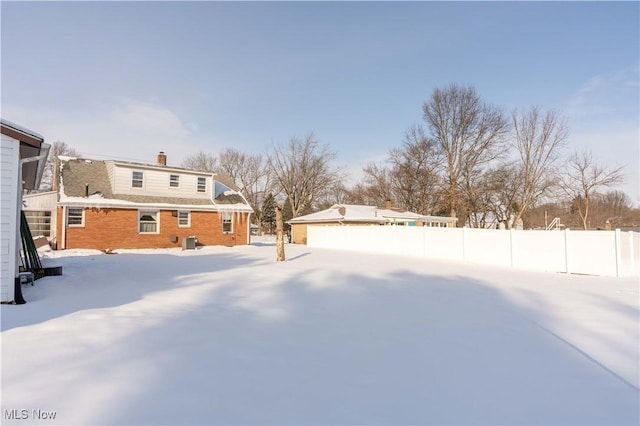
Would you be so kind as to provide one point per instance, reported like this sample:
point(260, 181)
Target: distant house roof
point(354, 213)
point(77, 173)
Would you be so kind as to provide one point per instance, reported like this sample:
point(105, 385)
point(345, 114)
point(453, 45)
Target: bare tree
point(337, 193)
point(251, 174)
point(618, 202)
point(495, 196)
point(57, 149)
point(468, 133)
point(201, 161)
point(609, 210)
point(302, 169)
point(413, 173)
point(376, 186)
point(583, 178)
point(538, 139)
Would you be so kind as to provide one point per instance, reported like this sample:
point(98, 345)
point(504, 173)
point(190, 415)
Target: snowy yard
point(228, 336)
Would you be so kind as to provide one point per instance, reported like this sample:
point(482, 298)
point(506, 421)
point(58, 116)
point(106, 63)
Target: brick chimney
point(388, 204)
point(162, 159)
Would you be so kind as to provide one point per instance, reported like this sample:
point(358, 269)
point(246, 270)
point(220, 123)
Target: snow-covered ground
point(226, 335)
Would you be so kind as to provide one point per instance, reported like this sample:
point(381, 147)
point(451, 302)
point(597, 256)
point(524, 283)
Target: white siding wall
point(156, 183)
point(110, 173)
point(40, 201)
point(9, 160)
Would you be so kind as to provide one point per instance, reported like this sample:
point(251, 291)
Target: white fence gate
point(608, 253)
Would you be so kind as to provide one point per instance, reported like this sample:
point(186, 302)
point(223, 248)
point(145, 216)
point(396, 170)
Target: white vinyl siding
point(149, 222)
point(9, 159)
point(110, 172)
point(184, 219)
point(40, 201)
point(156, 183)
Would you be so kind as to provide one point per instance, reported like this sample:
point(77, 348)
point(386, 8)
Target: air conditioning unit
point(189, 243)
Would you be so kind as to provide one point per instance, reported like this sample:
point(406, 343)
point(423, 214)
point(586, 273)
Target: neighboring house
point(349, 214)
point(23, 155)
point(115, 204)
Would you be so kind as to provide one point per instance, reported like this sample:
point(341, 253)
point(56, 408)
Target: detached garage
point(23, 155)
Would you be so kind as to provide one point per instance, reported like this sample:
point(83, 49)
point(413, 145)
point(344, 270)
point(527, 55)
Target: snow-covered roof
point(77, 173)
point(21, 129)
point(356, 213)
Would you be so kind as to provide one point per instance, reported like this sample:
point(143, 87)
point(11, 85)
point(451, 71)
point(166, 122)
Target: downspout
point(17, 289)
point(63, 242)
point(248, 228)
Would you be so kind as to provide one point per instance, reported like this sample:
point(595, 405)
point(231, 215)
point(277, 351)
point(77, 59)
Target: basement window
point(75, 216)
point(227, 222)
point(148, 222)
point(184, 219)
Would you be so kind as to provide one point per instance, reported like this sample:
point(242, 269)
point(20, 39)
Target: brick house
point(114, 204)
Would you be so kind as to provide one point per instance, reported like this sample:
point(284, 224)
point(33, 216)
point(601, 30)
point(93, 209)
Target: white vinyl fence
point(609, 253)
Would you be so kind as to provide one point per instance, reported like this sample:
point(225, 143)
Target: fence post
point(632, 255)
point(618, 252)
point(566, 251)
point(425, 239)
point(464, 240)
point(511, 246)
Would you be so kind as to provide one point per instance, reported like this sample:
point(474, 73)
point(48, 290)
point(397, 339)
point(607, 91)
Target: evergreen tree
point(287, 214)
point(268, 218)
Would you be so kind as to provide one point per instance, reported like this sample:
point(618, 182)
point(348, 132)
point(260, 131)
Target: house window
point(137, 179)
point(227, 222)
point(184, 219)
point(148, 221)
point(75, 216)
point(174, 181)
point(202, 184)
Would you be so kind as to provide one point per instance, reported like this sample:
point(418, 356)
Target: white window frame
point(154, 214)
point(174, 183)
point(227, 219)
point(203, 187)
point(75, 217)
point(183, 225)
point(133, 179)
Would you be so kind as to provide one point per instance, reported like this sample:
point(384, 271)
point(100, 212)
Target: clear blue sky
point(129, 79)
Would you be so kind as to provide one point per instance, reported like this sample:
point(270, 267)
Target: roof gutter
point(107, 205)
